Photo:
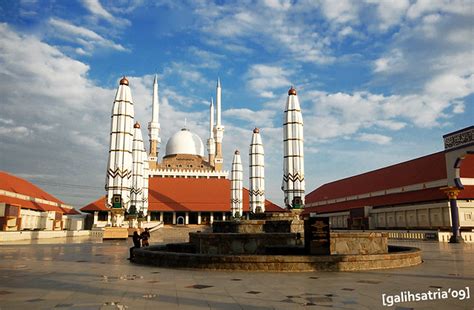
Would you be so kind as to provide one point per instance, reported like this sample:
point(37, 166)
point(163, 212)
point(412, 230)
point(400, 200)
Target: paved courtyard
point(83, 274)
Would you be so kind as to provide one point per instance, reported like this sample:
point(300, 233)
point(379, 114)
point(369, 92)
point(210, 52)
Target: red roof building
point(408, 195)
point(22, 204)
point(190, 200)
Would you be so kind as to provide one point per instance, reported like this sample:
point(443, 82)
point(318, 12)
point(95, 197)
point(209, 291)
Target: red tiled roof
point(431, 194)
point(416, 171)
point(17, 185)
point(21, 186)
point(180, 194)
point(421, 170)
point(98, 205)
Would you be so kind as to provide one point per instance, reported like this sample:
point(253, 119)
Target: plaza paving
point(83, 274)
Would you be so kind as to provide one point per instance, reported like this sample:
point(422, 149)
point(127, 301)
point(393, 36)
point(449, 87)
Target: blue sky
point(379, 82)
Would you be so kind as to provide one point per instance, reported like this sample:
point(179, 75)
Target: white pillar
point(96, 217)
point(256, 174)
point(199, 218)
point(148, 217)
point(109, 218)
point(174, 218)
point(139, 158)
point(211, 220)
point(236, 186)
point(293, 155)
point(162, 219)
point(186, 218)
point(120, 163)
point(223, 216)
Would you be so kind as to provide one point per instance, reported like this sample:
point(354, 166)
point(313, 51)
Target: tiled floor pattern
point(98, 276)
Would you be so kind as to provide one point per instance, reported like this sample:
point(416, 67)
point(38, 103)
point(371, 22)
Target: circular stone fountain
point(274, 243)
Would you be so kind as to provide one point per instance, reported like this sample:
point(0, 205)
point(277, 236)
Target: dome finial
point(292, 91)
point(137, 125)
point(256, 130)
point(124, 81)
point(236, 152)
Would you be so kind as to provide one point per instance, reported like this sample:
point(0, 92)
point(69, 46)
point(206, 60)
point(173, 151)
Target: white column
point(174, 218)
point(109, 218)
point(223, 216)
point(96, 217)
point(154, 125)
point(211, 219)
point(119, 167)
point(138, 156)
point(199, 218)
point(186, 218)
point(256, 174)
point(236, 186)
point(162, 219)
point(148, 217)
point(293, 155)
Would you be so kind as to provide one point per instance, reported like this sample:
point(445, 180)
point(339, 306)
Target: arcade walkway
point(88, 275)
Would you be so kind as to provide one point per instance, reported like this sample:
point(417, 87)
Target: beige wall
point(425, 216)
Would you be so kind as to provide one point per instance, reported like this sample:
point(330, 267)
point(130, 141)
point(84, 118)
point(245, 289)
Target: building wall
point(420, 216)
point(185, 161)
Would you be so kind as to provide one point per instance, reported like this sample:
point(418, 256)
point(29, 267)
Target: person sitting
point(145, 236)
point(136, 243)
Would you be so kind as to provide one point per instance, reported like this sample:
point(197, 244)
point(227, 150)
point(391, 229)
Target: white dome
point(185, 142)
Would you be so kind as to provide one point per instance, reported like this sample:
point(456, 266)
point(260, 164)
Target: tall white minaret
point(211, 146)
point(257, 174)
point(154, 125)
point(293, 160)
point(146, 173)
point(139, 156)
point(218, 129)
point(236, 186)
point(120, 163)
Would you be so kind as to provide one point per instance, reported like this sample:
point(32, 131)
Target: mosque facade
point(185, 185)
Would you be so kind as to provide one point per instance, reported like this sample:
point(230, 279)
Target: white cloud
point(88, 39)
point(187, 73)
point(422, 7)
point(14, 132)
point(278, 4)
point(389, 63)
point(342, 11)
point(264, 78)
point(98, 10)
point(374, 138)
point(262, 118)
point(206, 59)
point(391, 12)
point(266, 22)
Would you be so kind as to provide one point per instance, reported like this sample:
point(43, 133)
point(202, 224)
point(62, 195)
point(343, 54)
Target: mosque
point(186, 186)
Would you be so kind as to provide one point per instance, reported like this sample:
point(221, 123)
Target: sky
point(379, 82)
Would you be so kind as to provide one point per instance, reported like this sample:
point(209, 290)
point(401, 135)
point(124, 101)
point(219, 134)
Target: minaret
point(154, 126)
point(139, 156)
point(293, 160)
point(119, 168)
point(211, 146)
point(257, 174)
point(236, 186)
point(218, 129)
point(146, 170)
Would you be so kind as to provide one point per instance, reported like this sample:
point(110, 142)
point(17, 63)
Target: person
point(136, 243)
point(145, 236)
